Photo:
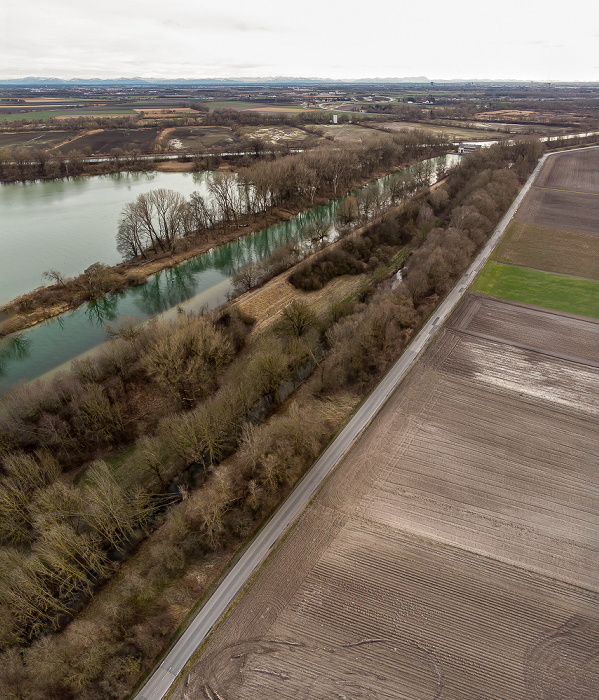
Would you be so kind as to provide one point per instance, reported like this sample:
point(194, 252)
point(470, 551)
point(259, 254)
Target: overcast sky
point(517, 39)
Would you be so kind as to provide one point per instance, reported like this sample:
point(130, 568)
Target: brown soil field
point(35, 140)
point(56, 100)
point(164, 111)
point(105, 140)
point(456, 131)
point(275, 110)
point(550, 332)
point(506, 114)
point(347, 132)
point(574, 211)
point(550, 249)
point(525, 115)
point(577, 172)
point(453, 554)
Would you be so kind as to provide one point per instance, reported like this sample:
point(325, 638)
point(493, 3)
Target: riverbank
point(47, 302)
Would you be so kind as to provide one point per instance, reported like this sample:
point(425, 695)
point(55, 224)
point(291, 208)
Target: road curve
point(158, 684)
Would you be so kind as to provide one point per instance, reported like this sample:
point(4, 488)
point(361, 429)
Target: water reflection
point(166, 289)
point(102, 310)
point(203, 279)
point(17, 347)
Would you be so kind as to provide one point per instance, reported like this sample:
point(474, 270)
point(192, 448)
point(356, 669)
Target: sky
point(464, 39)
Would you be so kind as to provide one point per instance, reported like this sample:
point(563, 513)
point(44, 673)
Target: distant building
point(471, 146)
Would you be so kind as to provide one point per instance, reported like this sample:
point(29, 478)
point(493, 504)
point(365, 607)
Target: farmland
point(570, 294)
point(574, 211)
point(550, 249)
point(103, 141)
point(66, 113)
point(554, 231)
point(274, 107)
point(566, 194)
point(441, 560)
point(36, 140)
point(453, 132)
point(576, 172)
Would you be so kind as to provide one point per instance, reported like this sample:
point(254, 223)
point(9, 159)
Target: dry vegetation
point(437, 561)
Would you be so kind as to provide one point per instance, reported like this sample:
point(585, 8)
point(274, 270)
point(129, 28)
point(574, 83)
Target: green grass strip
point(547, 289)
point(51, 114)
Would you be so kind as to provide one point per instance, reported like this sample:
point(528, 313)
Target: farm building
point(471, 146)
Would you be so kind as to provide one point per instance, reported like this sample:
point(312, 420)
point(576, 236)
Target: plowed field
point(105, 140)
point(572, 211)
point(454, 553)
point(550, 249)
point(575, 171)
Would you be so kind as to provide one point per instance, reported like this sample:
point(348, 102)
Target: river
point(69, 224)
point(202, 282)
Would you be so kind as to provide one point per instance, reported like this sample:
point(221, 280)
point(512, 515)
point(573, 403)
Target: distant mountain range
point(33, 81)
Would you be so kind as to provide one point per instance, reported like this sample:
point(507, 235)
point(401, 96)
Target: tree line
point(163, 220)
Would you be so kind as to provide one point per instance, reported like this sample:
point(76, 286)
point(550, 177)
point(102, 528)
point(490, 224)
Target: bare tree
point(297, 319)
point(112, 512)
point(247, 277)
point(156, 219)
point(316, 231)
point(54, 276)
point(223, 187)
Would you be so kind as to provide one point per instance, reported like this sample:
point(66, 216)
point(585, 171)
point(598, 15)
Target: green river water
point(202, 282)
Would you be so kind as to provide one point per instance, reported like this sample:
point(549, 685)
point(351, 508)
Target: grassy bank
point(546, 289)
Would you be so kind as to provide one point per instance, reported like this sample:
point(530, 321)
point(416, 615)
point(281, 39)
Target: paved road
point(159, 683)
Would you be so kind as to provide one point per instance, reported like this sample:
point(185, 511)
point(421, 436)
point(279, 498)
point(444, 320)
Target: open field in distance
point(550, 249)
point(452, 131)
point(65, 113)
point(103, 141)
point(191, 137)
point(453, 553)
point(35, 140)
point(275, 107)
point(275, 134)
point(346, 132)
